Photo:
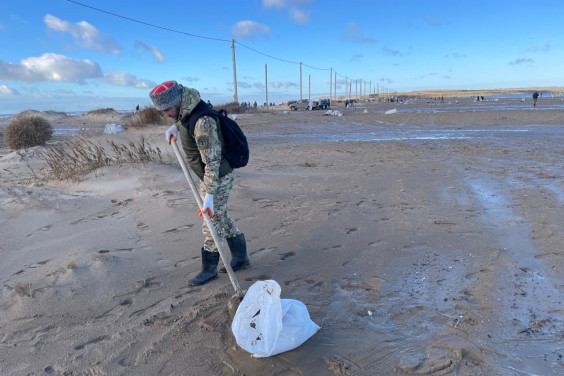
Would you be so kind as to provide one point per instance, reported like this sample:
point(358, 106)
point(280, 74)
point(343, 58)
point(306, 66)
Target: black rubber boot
point(238, 248)
point(209, 269)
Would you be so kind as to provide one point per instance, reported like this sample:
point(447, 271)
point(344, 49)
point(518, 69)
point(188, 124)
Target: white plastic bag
point(266, 325)
point(113, 128)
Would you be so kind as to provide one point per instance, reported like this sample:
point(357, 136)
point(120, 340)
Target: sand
point(428, 241)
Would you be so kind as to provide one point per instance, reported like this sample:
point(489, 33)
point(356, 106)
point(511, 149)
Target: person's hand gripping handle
point(171, 132)
point(207, 206)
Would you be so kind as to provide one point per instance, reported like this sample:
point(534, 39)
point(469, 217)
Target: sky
point(81, 55)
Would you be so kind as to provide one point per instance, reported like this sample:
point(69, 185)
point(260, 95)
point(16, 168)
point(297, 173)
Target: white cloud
point(522, 60)
point(282, 84)
point(244, 85)
point(279, 4)
point(356, 57)
point(153, 50)
point(249, 29)
point(125, 79)
point(85, 35)
point(391, 52)
point(50, 67)
point(299, 15)
point(8, 91)
point(355, 34)
point(456, 55)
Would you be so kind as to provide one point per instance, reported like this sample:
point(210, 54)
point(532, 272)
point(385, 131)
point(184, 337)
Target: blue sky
point(59, 55)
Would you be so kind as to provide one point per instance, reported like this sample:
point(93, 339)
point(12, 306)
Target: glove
point(172, 132)
point(207, 206)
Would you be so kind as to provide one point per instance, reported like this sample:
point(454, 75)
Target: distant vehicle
point(302, 104)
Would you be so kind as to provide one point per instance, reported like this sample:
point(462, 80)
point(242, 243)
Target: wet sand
point(428, 241)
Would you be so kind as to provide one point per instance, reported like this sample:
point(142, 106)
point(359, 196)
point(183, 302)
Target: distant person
point(535, 97)
point(209, 104)
point(137, 108)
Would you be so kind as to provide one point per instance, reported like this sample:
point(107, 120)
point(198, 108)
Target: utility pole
point(355, 89)
point(300, 80)
point(235, 96)
point(331, 84)
point(266, 83)
point(335, 92)
point(309, 89)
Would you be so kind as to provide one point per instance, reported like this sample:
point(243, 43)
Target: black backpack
point(236, 148)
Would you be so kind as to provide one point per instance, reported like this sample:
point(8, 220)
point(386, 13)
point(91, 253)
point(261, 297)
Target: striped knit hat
point(166, 95)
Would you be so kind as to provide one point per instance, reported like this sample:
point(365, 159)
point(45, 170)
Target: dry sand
point(431, 242)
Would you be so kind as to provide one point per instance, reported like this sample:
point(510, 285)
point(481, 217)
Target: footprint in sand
point(263, 250)
point(165, 264)
point(142, 226)
point(122, 203)
point(178, 229)
point(262, 277)
point(91, 342)
point(287, 255)
point(182, 263)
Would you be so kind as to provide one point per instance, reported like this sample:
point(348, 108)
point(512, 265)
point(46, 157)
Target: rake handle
point(207, 219)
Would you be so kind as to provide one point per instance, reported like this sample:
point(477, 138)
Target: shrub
point(26, 131)
point(147, 115)
point(102, 111)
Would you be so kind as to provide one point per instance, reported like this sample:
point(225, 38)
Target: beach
point(427, 241)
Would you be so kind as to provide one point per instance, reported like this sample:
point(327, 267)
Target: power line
point(146, 23)
point(270, 56)
point(197, 36)
point(189, 34)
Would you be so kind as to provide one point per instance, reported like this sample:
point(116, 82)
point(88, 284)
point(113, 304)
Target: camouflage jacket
point(203, 147)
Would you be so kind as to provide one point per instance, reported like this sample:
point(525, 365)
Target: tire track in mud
point(530, 300)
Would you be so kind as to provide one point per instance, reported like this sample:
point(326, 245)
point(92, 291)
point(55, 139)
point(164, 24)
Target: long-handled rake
point(236, 299)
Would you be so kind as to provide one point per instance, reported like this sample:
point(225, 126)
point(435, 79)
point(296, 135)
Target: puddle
point(528, 296)
point(397, 134)
point(75, 131)
point(68, 131)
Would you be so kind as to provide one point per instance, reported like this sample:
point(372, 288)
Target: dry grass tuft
point(146, 116)
point(74, 160)
point(26, 131)
point(102, 111)
point(235, 108)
